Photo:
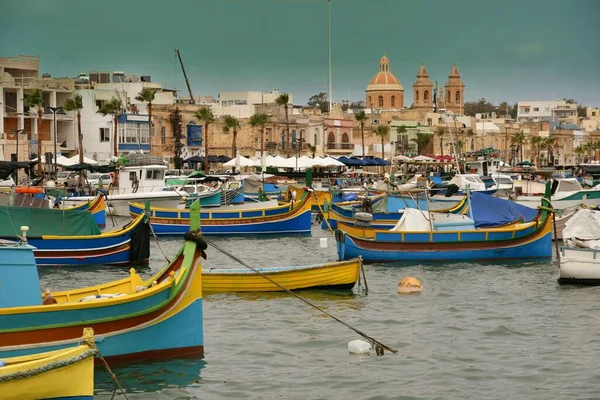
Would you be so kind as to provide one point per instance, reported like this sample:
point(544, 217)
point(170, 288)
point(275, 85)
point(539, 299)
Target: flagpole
point(329, 55)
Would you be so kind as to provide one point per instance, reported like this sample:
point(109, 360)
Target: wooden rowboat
point(341, 275)
point(60, 374)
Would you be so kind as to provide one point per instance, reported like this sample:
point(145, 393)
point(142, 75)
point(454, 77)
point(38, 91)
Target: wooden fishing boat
point(59, 374)
point(318, 198)
point(346, 213)
point(73, 238)
point(341, 275)
point(567, 193)
point(442, 237)
point(132, 319)
point(287, 218)
point(96, 206)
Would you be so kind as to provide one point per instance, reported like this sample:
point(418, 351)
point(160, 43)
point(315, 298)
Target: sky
point(505, 50)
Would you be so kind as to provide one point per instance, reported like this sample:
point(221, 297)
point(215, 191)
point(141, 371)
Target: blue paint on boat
point(19, 281)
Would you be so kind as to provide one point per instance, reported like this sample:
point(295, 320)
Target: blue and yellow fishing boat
point(286, 218)
point(132, 319)
point(74, 238)
point(520, 233)
point(60, 374)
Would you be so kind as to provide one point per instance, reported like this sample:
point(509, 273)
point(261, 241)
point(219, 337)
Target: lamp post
point(54, 111)
point(17, 133)
point(299, 144)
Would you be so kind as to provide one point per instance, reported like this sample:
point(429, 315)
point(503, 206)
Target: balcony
point(340, 148)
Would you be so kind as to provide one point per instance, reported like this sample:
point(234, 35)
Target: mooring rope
point(379, 347)
point(47, 367)
point(156, 237)
point(90, 342)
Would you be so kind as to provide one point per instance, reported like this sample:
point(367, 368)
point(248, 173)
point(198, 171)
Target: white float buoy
point(359, 347)
point(323, 243)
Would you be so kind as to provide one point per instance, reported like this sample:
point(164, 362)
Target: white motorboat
point(566, 193)
point(579, 258)
point(139, 184)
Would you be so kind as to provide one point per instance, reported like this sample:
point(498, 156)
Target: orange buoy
point(28, 190)
point(409, 285)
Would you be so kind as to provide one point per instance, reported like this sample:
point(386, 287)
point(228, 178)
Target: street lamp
point(17, 133)
point(53, 111)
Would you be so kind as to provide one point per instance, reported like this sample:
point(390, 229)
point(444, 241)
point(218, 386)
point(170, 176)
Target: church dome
point(384, 79)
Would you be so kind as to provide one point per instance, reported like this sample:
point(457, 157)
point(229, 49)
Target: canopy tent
point(222, 158)
point(401, 157)
point(240, 161)
point(423, 158)
point(86, 160)
point(330, 162)
point(60, 160)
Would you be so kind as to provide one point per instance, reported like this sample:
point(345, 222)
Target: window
point(535, 109)
point(371, 101)
point(330, 138)
point(593, 113)
point(100, 103)
point(417, 96)
point(380, 101)
point(105, 134)
point(163, 135)
point(458, 97)
point(154, 174)
point(132, 176)
point(426, 96)
point(449, 97)
point(393, 101)
point(345, 138)
point(526, 109)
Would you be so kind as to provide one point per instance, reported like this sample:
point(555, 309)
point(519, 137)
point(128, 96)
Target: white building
point(18, 75)
point(552, 110)
point(242, 104)
point(133, 127)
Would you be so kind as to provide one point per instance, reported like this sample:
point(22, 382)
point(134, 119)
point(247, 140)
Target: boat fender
point(196, 237)
point(2, 363)
point(409, 285)
point(451, 190)
point(359, 347)
point(363, 219)
point(48, 298)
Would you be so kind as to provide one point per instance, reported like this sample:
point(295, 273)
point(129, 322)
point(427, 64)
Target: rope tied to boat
point(156, 237)
point(379, 347)
point(47, 367)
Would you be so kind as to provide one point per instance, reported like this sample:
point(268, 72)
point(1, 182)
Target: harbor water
point(477, 331)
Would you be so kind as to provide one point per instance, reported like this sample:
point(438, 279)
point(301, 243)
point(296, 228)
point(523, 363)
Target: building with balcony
point(339, 134)
point(552, 110)
point(18, 75)
point(243, 104)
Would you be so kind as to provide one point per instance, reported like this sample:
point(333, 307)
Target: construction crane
point(187, 82)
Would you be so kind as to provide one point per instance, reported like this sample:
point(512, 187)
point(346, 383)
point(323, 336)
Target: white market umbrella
point(60, 160)
point(240, 161)
point(423, 158)
point(86, 160)
point(331, 162)
point(401, 157)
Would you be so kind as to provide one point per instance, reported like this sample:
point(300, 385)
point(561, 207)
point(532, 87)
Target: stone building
point(454, 92)
point(423, 91)
point(384, 91)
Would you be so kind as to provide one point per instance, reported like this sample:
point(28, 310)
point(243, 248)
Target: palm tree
point(536, 142)
point(35, 99)
point(578, 151)
point(206, 116)
point(76, 104)
point(113, 108)
point(283, 100)
point(361, 117)
point(147, 96)
point(595, 148)
point(422, 140)
point(587, 148)
point(519, 139)
point(548, 143)
point(382, 131)
point(470, 134)
point(260, 120)
point(313, 149)
point(440, 133)
point(401, 130)
point(232, 124)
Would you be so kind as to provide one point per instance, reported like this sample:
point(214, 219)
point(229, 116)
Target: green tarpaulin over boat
point(43, 221)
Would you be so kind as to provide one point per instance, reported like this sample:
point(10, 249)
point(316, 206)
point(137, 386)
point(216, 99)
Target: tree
point(401, 130)
point(382, 131)
point(578, 152)
point(232, 124)
point(548, 144)
point(176, 121)
point(361, 117)
point(206, 116)
point(519, 140)
point(283, 100)
point(260, 120)
point(319, 101)
point(35, 99)
point(440, 133)
point(113, 108)
point(313, 149)
point(147, 96)
point(422, 140)
point(76, 104)
point(536, 142)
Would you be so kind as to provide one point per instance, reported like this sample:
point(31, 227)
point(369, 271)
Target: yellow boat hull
point(67, 373)
point(339, 275)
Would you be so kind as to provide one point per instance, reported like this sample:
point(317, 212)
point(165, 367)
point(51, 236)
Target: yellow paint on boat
point(233, 281)
point(56, 374)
